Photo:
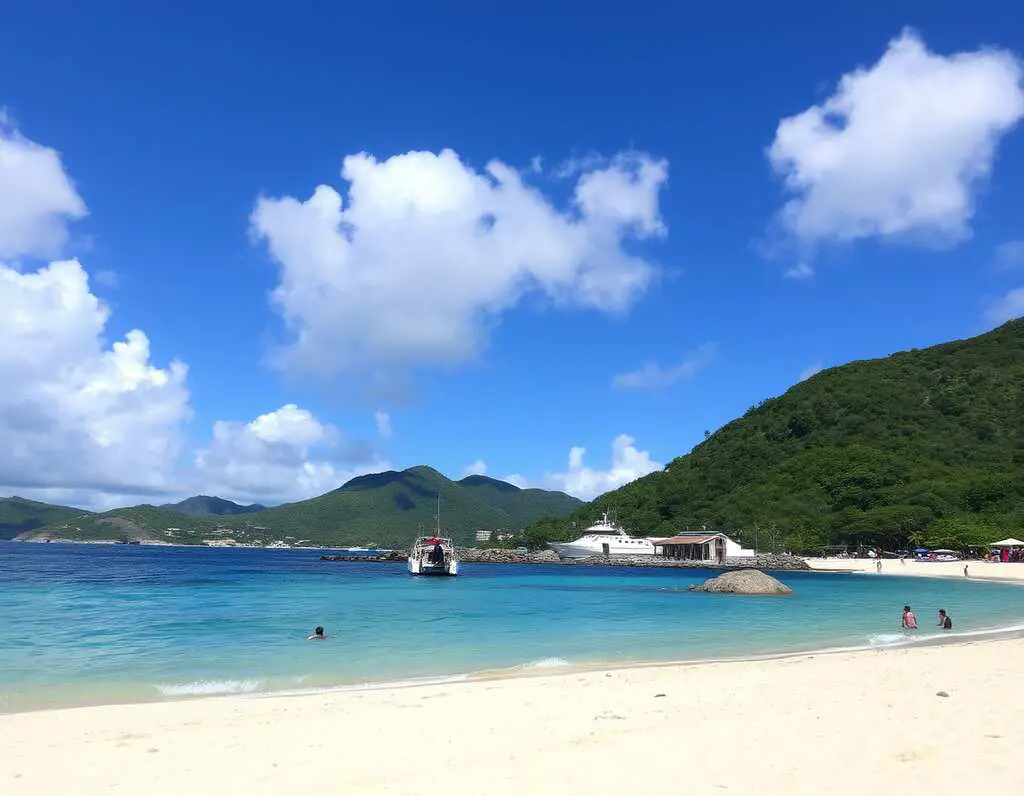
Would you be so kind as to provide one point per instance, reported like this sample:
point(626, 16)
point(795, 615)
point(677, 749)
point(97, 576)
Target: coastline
point(633, 727)
point(978, 570)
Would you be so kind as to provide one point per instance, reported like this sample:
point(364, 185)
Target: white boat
point(433, 555)
point(604, 538)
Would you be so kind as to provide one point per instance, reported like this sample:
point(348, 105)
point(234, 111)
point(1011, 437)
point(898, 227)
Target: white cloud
point(383, 421)
point(78, 418)
point(37, 198)
point(516, 480)
point(627, 464)
point(653, 376)
point(479, 467)
point(1006, 308)
point(1010, 255)
point(811, 370)
point(75, 413)
point(900, 148)
point(425, 254)
point(799, 271)
point(287, 454)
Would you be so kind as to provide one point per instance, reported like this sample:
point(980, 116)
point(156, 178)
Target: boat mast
point(437, 515)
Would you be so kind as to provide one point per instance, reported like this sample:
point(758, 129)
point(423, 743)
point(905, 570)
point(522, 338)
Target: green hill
point(383, 508)
point(922, 447)
point(524, 506)
point(18, 515)
point(207, 506)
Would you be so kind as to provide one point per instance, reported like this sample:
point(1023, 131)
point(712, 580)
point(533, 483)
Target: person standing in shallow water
point(944, 621)
point(909, 620)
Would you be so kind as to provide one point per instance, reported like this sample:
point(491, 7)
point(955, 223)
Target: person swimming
point(944, 620)
point(909, 620)
point(318, 634)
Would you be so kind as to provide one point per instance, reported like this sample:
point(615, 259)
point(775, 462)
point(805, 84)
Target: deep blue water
point(94, 623)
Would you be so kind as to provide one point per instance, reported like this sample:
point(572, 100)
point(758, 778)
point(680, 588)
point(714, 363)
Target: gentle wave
point(209, 688)
point(544, 663)
point(887, 640)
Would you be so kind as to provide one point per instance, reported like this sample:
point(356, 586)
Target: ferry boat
point(433, 555)
point(603, 538)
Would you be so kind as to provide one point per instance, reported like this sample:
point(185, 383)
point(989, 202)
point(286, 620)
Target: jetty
point(379, 555)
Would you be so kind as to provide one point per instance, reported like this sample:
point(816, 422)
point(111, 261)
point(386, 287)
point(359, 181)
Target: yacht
point(604, 538)
point(433, 555)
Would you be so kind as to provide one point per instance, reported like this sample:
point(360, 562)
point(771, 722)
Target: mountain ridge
point(386, 508)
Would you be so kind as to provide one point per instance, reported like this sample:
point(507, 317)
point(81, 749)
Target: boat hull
point(574, 552)
point(420, 567)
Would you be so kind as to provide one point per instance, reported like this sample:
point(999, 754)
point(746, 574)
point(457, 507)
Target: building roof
point(690, 538)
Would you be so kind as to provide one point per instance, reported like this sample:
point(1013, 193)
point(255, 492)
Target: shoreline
point(576, 728)
point(552, 667)
point(995, 571)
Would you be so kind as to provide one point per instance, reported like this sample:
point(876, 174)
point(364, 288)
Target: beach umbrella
point(1008, 543)
point(921, 550)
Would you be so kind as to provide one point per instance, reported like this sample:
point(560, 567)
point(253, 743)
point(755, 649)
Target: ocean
point(95, 624)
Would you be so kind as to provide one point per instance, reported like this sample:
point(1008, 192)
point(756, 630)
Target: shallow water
point(86, 624)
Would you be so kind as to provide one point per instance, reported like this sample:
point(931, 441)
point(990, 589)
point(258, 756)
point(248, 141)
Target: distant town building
point(483, 536)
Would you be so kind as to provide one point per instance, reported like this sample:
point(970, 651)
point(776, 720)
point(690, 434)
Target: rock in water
point(744, 581)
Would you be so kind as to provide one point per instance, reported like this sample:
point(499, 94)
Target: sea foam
point(209, 687)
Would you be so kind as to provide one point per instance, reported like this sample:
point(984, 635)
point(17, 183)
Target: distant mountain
point(382, 508)
point(924, 447)
point(207, 506)
point(18, 515)
point(524, 506)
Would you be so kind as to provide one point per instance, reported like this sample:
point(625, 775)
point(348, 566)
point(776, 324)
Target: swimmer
point(909, 620)
point(318, 634)
point(944, 621)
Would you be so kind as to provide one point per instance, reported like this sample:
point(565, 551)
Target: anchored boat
point(433, 555)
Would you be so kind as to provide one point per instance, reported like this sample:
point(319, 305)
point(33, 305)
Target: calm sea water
point(83, 624)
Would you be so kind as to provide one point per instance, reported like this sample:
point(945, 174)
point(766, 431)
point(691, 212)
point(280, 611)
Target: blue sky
point(636, 226)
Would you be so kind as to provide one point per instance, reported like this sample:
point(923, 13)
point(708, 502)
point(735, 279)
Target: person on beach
point(944, 621)
point(909, 620)
point(965, 571)
point(878, 565)
point(318, 634)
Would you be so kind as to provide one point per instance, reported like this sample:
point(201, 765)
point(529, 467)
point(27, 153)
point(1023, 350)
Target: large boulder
point(744, 581)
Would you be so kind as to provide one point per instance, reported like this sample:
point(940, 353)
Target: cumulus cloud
point(1010, 255)
point(900, 148)
point(811, 370)
point(652, 376)
point(287, 454)
point(383, 421)
point(74, 412)
point(1006, 308)
point(37, 199)
point(627, 464)
point(516, 480)
point(479, 467)
point(424, 254)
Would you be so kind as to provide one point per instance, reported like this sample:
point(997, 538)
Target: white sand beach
point(981, 570)
point(851, 723)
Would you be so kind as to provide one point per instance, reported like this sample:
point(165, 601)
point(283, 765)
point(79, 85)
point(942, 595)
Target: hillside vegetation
point(922, 447)
point(383, 508)
point(207, 506)
point(18, 515)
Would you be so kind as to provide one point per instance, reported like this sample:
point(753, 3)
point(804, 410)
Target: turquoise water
point(84, 624)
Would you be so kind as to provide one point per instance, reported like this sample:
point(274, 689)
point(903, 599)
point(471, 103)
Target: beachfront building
point(713, 548)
